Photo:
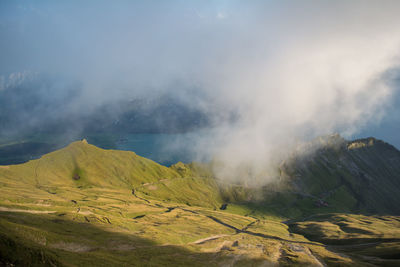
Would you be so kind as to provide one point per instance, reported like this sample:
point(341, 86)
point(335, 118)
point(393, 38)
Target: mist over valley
point(201, 133)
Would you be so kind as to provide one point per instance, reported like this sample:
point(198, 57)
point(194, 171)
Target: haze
point(268, 75)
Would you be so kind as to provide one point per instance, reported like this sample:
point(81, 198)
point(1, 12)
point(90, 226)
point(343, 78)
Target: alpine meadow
point(199, 133)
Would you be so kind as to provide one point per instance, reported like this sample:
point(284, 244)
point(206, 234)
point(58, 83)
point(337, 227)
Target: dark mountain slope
point(86, 206)
point(364, 175)
point(331, 174)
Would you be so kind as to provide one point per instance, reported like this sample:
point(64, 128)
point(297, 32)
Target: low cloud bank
point(267, 75)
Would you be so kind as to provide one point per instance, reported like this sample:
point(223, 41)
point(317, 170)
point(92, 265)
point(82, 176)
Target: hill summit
point(86, 206)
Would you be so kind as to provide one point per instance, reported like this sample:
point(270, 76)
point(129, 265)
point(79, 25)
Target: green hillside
point(86, 206)
point(329, 175)
point(361, 176)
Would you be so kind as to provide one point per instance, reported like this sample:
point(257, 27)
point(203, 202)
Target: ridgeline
point(86, 206)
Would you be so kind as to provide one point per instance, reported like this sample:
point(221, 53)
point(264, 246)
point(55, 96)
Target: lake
point(165, 149)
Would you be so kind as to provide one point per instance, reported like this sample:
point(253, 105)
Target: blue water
point(168, 149)
point(165, 149)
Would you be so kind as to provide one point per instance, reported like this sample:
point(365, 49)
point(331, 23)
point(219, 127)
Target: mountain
point(86, 206)
point(331, 174)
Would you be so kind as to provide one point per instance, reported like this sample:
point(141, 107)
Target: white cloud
point(289, 71)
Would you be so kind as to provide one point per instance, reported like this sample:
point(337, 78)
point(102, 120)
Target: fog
point(268, 74)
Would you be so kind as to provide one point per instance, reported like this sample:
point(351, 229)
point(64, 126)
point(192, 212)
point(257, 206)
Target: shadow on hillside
point(296, 209)
point(49, 240)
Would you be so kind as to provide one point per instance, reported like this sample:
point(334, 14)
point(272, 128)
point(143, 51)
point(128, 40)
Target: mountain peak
point(95, 167)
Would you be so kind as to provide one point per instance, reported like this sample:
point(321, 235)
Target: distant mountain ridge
point(32, 103)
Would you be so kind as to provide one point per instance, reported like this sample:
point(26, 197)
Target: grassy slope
point(173, 217)
point(126, 230)
point(360, 176)
point(350, 177)
point(373, 239)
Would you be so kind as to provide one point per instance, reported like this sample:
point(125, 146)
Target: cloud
point(286, 72)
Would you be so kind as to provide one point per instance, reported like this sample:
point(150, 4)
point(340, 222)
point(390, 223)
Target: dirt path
point(318, 261)
point(244, 231)
point(203, 240)
point(28, 211)
point(250, 224)
point(145, 200)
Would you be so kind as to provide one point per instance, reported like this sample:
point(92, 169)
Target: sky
point(289, 70)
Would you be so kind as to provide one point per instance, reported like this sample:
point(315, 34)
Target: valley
point(199, 133)
point(82, 205)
